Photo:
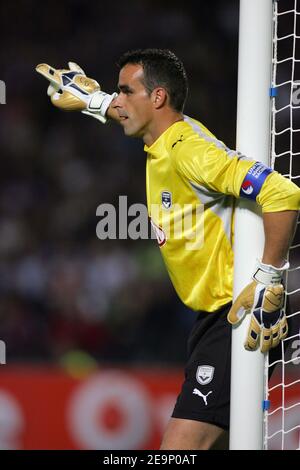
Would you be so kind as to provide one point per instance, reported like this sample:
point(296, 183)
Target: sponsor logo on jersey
point(166, 199)
point(160, 234)
point(205, 374)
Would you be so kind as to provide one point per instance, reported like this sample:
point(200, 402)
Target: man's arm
point(279, 230)
point(264, 296)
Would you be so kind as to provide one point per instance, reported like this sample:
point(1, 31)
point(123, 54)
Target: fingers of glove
point(52, 89)
point(236, 314)
point(75, 67)
point(242, 304)
point(67, 101)
point(271, 336)
point(55, 98)
point(279, 331)
point(276, 335)
point(284, 329)
point(50, 73)
point(266, 339)
point(86, 85)
point(273, 298)
point(253, 335)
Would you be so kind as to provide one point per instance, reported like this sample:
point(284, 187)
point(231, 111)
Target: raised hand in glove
point(263, 299)
point(71, 90)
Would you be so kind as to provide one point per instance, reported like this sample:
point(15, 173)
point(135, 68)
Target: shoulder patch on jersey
point(254, 180)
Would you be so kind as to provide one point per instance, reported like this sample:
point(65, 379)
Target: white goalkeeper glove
point(263, 299)
point(71, 90)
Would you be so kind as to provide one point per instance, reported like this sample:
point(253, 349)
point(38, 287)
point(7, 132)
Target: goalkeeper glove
point(263, 299)
point(71, 90)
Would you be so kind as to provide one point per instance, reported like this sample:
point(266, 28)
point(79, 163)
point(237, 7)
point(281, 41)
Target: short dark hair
point(161, 68)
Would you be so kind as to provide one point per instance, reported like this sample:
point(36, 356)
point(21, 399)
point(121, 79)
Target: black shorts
point(205, 393)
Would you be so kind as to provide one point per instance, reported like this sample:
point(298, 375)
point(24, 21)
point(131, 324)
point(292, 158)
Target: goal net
point(282, 405)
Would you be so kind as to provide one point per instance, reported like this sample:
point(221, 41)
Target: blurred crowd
point(61, 288)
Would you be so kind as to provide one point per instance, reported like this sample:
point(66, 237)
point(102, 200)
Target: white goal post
point(253, 140)
point(265, 414)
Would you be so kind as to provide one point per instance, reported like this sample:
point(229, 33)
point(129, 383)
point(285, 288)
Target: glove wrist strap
point(99, 103)
point(268, 274)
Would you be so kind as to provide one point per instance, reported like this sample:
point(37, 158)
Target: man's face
point(134, 105)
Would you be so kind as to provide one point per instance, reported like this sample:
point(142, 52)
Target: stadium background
point(77, 313)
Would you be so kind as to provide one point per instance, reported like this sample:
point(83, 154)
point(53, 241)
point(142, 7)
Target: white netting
point(282, 420)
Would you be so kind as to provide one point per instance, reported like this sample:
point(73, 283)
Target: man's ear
point(159, 97)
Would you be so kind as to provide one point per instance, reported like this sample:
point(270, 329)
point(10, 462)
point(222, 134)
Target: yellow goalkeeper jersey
point(192, 182)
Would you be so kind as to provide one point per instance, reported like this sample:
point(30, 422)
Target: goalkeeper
point(187, 164)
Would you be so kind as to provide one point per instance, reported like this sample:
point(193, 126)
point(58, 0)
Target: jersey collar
point(162, 144)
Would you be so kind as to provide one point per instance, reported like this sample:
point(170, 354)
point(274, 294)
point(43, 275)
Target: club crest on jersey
point(205, 374)
point(166, 199)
